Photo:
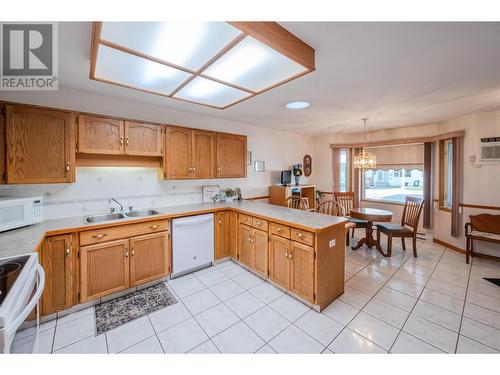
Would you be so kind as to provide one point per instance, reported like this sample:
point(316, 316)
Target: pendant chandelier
point(365, 160)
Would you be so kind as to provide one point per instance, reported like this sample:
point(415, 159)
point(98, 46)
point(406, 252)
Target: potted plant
point(297, 172)
point(228, 195)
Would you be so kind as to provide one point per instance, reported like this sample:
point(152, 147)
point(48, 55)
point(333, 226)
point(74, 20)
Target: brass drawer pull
point(99, 236)
point(300, 235)
point(278, 229)
point(155, 226)
point(258, 222)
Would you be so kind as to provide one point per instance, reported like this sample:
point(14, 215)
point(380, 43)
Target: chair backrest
point(345, 199)
point(486, 223)
point(330, 207)
point(412, 211)
point(297, 203)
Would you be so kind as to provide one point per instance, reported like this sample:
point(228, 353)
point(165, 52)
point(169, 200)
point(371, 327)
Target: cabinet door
point(221, 234)
point(233, 235)
point(231, 153)
point(40, 145)
point(3, 171)
point(279, 264)
point(99, 135)
point(203, 154)
point(178, 157)
point(143, 139)
point(149, 257)
point(104, 269)
point(260, 247)
point(58, 259)
point(245, 250)
point(302, 270)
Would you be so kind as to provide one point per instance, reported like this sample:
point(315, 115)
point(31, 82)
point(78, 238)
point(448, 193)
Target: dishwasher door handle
point(192, 221)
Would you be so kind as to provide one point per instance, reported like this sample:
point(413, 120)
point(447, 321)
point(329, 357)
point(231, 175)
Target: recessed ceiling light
point(299, 104)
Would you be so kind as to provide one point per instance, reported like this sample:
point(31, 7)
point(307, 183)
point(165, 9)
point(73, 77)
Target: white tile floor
point(431, 304)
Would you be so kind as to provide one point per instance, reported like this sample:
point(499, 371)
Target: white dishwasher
point(192, 243)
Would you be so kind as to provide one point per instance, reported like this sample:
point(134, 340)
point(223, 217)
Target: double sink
point(119, 215)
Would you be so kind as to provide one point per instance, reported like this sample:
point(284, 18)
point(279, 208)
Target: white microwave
point(19, 212)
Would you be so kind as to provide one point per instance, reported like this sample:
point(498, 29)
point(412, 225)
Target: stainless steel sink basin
point(104, 217)
point(141, 213)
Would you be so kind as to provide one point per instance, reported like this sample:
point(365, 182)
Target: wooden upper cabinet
point(222, 235)
point(58, 259)
point(178, 153)
point(40, 145)
point(203, 154)
point(231, 151)
point(104, 269)
point(99, 135)
point(279, 264)
point(143, 139)
point(260, 257)
point(149, 257)
point(3, 166)
point(302, 270)
point(245, 248)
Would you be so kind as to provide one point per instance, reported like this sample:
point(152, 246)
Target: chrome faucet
point(118, 203)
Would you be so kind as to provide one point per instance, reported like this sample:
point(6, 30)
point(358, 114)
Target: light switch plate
point(331, 243)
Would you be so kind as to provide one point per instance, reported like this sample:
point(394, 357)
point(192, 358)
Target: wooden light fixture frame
point(271, 34)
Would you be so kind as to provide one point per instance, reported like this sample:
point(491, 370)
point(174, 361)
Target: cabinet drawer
point(245, 219)
point(123, 231)
point(280, 230)
point(260, 223)
point(302, 236)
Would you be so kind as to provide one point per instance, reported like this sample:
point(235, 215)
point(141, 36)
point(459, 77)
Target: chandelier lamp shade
point(364, 159)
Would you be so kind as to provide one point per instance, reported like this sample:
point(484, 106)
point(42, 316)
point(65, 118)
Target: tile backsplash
point(140, 187)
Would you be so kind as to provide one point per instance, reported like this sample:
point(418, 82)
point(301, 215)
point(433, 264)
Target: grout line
point(463, 307)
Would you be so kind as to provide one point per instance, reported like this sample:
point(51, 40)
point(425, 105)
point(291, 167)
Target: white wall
point(141, 186)
point(481, 185)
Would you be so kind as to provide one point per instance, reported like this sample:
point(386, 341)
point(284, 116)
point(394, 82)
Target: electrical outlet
point(331, 243)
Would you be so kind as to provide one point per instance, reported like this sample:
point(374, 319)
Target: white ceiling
point(397, 74)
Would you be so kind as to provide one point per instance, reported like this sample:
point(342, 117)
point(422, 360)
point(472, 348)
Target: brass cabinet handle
point(218, 169)
point(155, 226)
point(220, 221)
point(290, 256)
point(249, 238)
point(133, 252)
point(126, 141)
point(98, 236)
point(121, 140)
point(194, 169)
point(67, 167)
point(126, 253)
point(286, 253)
point(68, 251)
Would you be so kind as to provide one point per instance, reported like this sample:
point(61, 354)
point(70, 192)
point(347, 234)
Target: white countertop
point(26, 240)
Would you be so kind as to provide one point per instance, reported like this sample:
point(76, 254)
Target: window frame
point(348, 168)
point(445, 157)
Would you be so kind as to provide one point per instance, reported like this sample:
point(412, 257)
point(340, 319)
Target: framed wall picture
point(209, 191)
point(307, 165)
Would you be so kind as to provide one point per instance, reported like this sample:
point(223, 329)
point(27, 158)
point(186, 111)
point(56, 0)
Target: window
point(393, 185)
point(344, 169)
point(445, 173)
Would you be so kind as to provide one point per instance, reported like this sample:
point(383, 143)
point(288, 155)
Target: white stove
point(21, 285)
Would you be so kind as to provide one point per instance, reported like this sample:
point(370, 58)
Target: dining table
point(371, 215)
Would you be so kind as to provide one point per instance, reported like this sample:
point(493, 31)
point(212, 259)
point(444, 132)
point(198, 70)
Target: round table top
point(371, 214)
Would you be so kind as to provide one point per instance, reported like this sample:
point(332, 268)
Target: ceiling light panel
point(205, 91)
point(253, 65)
point(124, 68)
point(187, 44)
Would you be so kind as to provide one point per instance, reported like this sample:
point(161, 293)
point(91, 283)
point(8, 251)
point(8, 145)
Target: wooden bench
point(483, 227)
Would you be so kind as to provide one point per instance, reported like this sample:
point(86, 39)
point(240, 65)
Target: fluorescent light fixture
point(299, 104)
point(216, 64)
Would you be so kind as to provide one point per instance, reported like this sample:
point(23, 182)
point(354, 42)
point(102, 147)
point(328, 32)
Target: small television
point(286, 177)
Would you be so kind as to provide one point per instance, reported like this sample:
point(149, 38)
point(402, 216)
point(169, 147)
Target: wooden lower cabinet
point(104, 269)
point(302, 270)
point(260, 241)
point(233, 235)
point(245, 251)
point(149, 258)
point(58, 259)
point(279, 266)
point(222, 235)
point(291, 266)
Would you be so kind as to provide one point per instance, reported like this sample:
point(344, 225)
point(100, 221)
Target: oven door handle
point(34, 300)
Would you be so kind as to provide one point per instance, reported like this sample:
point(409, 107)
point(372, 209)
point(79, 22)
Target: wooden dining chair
point(346, 200)
point(408, 228)
point(297, 202)
point(330, 207)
